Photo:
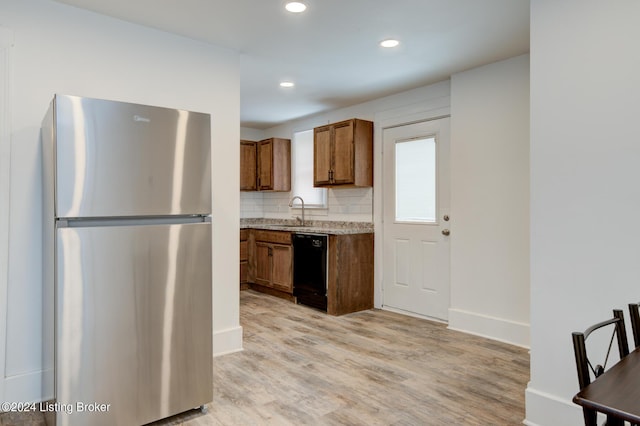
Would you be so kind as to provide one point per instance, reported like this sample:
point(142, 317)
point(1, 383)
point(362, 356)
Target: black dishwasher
point(310, 270)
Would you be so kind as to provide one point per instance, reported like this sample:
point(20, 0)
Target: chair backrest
point(634, 314)
point(583, 363)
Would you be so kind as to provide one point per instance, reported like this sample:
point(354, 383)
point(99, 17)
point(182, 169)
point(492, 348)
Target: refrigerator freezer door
point(134, 323)
point(122, 159)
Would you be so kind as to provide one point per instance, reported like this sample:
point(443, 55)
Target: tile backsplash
point(344, 204)
point(251, 204)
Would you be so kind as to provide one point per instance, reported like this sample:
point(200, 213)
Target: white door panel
point(416, 200)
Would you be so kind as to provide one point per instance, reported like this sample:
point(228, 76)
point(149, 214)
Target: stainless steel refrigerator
point(127, 249)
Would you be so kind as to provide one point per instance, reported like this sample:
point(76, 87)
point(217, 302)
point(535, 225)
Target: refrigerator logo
point(142, 119)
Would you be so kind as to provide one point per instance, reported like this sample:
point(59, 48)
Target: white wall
point(247, 133)
point(61, 49)
point(585, 191)
point(490, 201)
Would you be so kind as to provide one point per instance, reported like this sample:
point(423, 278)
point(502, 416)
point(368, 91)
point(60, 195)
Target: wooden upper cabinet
point(343, 154)
point(248, 166)
point(274, 165)
point(271, 165)
point(322, 156)
point(265, 165)
point(343, 148)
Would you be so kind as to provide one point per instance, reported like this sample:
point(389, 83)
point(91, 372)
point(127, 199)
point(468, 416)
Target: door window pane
point(416, 180)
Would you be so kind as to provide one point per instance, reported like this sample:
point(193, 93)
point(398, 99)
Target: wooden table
point(617, 391)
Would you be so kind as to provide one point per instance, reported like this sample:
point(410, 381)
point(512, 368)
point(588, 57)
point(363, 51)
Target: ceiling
point(331, 50)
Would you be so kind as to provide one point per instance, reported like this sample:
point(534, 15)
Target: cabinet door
point(321, 155)
point(263, 264)
point(248, 165)
point(244, 258)
point(281, 267)
point(265, 165)
point(281, 164)
point(343, 153)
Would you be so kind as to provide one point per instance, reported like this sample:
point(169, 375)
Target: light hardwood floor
point(300, 366)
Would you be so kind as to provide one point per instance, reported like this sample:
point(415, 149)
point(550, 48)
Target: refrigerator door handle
point(129, 221)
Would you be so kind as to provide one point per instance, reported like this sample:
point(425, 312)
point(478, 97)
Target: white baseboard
point(544, 409)
point(503, 330)
point(412, 314)
point(227, 341)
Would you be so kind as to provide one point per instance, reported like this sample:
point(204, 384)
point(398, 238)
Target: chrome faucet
point(302, 201)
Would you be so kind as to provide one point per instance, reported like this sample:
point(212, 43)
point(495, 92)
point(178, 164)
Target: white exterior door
point(416, 194)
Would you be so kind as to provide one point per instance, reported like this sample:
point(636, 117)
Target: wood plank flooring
point(303, 367)
point(300, 366)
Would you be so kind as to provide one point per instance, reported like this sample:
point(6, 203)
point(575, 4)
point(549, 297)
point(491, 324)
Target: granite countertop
point(311, 226)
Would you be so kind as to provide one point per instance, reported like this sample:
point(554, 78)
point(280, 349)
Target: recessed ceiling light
point(287, 84)
point(389, 43)
point(295, 6)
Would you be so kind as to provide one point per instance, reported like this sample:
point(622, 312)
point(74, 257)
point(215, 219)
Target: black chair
point(586, 367)
point(634, 314)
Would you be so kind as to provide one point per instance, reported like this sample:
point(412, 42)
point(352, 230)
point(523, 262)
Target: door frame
point(429, 109)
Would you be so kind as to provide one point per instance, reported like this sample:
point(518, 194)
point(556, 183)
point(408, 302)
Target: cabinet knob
point(446, 232)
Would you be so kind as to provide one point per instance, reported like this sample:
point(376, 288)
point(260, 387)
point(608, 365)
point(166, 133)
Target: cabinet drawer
point(277, 237)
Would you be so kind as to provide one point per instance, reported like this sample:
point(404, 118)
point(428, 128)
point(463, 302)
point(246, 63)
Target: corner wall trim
point(227, 341)
point(500, 329)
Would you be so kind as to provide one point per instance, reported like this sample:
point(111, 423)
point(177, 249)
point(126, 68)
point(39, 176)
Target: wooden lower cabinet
point(274, 266)
point(244, 258)
point(263, 264)
point(274, 260)
point(350, 278)
point(349, 263)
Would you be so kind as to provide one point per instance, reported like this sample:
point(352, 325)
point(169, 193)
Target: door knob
point(446, 232)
